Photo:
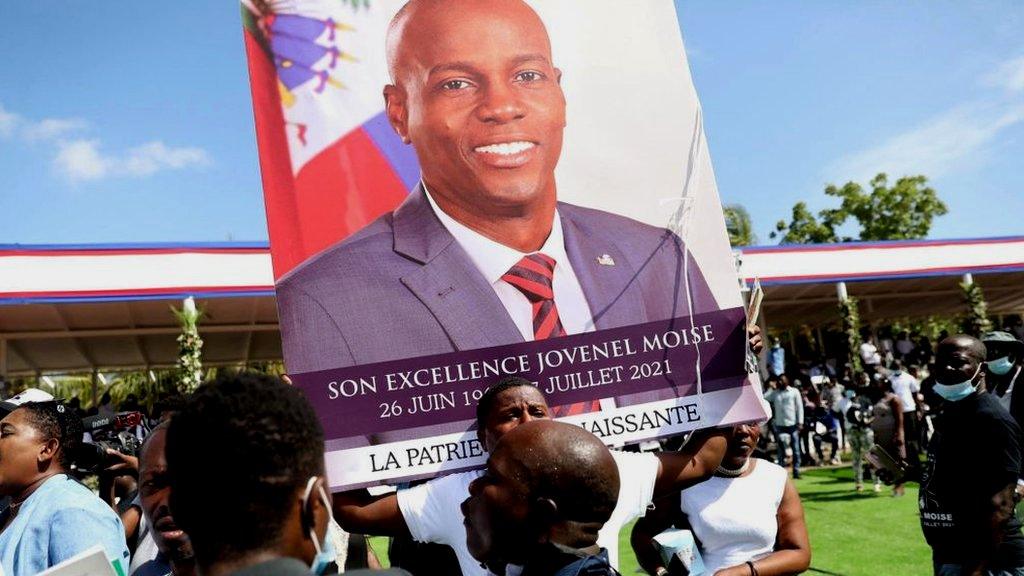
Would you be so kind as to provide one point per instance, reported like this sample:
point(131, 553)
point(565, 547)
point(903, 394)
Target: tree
point(804, 228)
point(738, 225)
point(903, 211)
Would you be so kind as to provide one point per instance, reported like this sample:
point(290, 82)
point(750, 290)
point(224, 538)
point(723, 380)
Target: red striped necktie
point(533, 276)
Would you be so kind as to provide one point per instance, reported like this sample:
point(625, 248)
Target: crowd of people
point(552, 496)
point(231, 480)
point(947, 417)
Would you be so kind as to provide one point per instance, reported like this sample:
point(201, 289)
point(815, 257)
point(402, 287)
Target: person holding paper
point(748, 518)
point(52, 517)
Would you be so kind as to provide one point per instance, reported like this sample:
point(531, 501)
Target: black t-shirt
point(974, 453)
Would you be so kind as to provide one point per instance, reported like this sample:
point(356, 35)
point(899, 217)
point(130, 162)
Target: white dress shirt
point(494, 259)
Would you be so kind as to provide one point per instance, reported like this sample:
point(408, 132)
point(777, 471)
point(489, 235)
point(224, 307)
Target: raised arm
point(359, 512)
point(792, 553)
point(695, 462)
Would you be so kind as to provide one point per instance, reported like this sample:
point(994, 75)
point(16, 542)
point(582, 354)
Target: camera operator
point(52, 517)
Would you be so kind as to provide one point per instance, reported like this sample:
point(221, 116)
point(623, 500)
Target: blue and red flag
point(328, 156)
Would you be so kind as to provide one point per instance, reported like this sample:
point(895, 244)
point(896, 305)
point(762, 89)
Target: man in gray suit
point(481, 253)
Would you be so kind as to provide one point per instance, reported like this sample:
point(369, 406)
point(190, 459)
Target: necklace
point(733, 473)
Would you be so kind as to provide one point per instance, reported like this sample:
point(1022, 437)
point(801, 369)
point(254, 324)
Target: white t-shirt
point(869, 354)
point(735, 519)
point(905, 386)
point(432, 512)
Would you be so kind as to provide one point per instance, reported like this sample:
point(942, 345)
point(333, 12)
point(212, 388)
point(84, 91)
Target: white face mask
point(958, 391)
point(1000, 366)
point(325, 552)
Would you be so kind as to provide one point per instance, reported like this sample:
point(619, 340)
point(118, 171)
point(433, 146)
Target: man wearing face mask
point(967, 494)
point(1002, 370)
point(246, 465)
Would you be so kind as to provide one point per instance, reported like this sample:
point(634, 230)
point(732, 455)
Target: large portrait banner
point(460, 192)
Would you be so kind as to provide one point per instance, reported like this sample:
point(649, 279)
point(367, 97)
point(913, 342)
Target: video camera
point(122, 432)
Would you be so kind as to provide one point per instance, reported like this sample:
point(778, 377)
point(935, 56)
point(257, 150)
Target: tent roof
point(78, 308)
point(900, 279)
point(67, 337)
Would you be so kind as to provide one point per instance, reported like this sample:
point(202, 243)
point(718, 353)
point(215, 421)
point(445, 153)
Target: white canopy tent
point(73, 309)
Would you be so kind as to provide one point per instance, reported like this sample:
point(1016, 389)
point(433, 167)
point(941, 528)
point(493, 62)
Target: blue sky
point(131, 122)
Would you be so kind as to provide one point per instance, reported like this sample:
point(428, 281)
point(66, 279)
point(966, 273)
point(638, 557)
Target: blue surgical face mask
point(325, 552)
point(849, 393)
point(1000, 366)
point(959, 391)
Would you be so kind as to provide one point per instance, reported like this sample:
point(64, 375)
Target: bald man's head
point(419, 21)
point(475, 92)
point(969, 345)
point(546, 481)
point(567, 464)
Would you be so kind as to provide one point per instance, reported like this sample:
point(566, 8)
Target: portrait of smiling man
point(482, 252)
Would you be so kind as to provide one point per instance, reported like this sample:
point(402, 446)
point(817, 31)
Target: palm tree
point(738, 225)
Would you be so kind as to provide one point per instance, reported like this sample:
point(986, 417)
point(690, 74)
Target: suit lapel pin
point(605, 260)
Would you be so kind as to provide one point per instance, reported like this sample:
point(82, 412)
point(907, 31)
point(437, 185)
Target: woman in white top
point(747, 519)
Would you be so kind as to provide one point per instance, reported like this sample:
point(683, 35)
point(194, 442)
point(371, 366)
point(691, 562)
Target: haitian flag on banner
point(398, 307)
point(330, 161)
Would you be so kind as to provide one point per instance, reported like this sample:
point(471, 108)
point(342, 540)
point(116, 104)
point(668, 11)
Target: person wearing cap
point(52, 517)
point(24, 397)
point(8, 406)
point(1003, 362)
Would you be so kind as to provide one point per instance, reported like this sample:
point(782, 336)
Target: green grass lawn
point(851, 534)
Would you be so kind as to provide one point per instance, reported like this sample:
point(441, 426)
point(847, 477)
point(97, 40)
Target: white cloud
point(8, 122)
point(83, 160)
point(50, 128)
point(154, 156)
point(1009, 75)
point(12, 124)
point(954, 140)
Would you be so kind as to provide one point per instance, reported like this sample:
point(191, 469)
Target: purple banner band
point(615, 363)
